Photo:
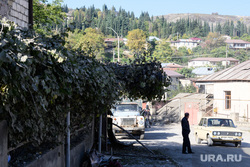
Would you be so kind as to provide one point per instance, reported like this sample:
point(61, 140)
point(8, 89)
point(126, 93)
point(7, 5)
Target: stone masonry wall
point(16, 11)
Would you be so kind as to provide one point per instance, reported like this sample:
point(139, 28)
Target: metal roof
point(173, 74)
point(240, 72)
point(203, 71)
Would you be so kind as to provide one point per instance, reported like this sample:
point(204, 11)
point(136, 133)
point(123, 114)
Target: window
point(201, 122)
point(205, 122)
point(227, 99)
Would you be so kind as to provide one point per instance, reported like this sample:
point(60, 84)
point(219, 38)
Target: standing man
point(185, 133)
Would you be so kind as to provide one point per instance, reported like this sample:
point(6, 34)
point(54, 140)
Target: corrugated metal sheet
point(240, 72)
point(203, 71)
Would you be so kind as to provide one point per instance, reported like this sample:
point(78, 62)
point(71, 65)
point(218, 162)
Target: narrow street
point(167, 139)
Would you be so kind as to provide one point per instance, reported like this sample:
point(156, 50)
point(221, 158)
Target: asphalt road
point(168, 140)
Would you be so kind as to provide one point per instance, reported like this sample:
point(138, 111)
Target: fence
point(55, 157)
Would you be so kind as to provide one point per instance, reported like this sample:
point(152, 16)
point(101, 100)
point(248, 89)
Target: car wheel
point(209, 141)
point(197, 139)
point(142, 136)
point(237, 144)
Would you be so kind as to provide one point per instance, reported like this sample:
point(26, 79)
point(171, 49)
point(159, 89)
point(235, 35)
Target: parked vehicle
point(127, 115)
point(220, 130)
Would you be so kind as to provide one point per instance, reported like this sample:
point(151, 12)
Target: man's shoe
point(191, 152)
point(184, 153)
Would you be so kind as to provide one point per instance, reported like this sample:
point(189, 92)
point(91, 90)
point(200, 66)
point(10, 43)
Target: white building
point(231, 91)
point(188, 43)
point(211, 61)
point(237, 44)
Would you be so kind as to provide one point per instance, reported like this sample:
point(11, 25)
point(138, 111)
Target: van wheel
point(197, 139)
point(209, 141)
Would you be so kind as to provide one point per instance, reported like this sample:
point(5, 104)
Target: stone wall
point(3, 144)
point(54, 158)
point(16, 11)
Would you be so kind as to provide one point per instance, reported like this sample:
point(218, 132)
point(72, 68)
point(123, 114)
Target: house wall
point(240, 98)
point(209, 88)
point(198, 63)
point(208, 63)
point(185, 82)
point(16, 11)
point(188, 45)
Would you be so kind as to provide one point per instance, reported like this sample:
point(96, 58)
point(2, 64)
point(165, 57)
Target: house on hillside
point(211, 61)
point(188, 43)
point(110, 42)
point(226, 37)
point(237, 44)
point(152, 38)
point(171, 66)
point(203, 71)
point(231, 91)
point(17, 11)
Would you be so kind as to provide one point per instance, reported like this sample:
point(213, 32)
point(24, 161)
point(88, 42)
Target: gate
point(192, 108)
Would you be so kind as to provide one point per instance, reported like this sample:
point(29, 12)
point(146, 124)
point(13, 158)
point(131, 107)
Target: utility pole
point(118, 43)
point(177, 35)
point(226, 55)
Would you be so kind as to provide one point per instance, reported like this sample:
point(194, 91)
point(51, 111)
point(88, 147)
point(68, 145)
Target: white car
point(221, 130)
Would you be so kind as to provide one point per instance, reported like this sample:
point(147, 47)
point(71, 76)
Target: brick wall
point(15, 10)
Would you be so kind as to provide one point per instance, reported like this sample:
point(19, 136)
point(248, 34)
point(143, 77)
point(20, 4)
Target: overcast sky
point(163, 7)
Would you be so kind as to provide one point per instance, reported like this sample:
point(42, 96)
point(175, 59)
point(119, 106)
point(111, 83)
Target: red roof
point(195, 39)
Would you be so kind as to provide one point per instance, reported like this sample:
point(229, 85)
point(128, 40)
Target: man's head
point(187, 115)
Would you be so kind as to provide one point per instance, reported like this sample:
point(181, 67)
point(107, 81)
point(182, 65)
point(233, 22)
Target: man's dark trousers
point(186, 143)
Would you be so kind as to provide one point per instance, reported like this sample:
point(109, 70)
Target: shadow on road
point(158, 135)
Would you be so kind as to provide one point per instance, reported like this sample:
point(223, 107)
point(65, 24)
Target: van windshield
point(126, 107)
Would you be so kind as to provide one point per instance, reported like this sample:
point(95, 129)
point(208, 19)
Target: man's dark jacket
point(185, 126)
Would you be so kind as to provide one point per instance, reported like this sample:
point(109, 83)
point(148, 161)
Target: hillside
point(210, 18)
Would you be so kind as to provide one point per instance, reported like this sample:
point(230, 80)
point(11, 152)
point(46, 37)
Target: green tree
point(214, 40)
point(245, 37)
point(187, 72)
point(137, 41)
point(46, 15)
point(90, 41)
point(163, 52)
